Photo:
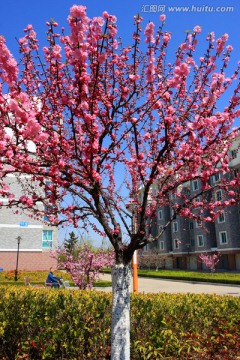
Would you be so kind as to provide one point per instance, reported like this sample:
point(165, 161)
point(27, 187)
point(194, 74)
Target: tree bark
point(120, 334)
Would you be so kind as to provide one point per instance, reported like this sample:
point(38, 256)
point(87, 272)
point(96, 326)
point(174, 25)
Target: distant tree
point(153, 259)
point(70, 243)
point(210, 260)
point(84, 263)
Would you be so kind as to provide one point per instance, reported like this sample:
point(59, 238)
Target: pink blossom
point(149, 32)
point(162, 17)
point(166, 37)
point(105, 14)
point(134, 77)
point(197, 29)
point(182, 70)
point(210, 261)
point(77, 11)
point(99, 20)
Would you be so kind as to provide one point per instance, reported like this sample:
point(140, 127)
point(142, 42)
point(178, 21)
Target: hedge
point(73, 324)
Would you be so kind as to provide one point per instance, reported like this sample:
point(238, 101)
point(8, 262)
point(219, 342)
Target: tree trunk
point(120, 335)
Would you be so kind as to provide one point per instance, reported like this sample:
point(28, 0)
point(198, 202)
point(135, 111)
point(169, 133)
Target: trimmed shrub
point(67, 324)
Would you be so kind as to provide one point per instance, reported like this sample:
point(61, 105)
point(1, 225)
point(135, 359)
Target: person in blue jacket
point(53, 280)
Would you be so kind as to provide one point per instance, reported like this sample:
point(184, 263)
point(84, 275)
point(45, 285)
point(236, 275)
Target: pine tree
point(70, 244)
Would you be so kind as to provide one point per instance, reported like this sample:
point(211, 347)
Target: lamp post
point(18, 245)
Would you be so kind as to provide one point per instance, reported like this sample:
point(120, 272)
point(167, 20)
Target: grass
point(199, 276)
point(217, 277)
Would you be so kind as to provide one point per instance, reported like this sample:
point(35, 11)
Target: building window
point(160, 228)
point(175, 226)
point(221, 218)
point(200, 240)
point(161, 245)
point(176, 243)
point(219, 195)
point(223, 237)
point(47, 239)
point(46, 217)
point(195, 185)
point(235, 173)
point(160, 215)
point(198, 224)
point(198, 201)
point(216, 177)
point(192, 242)
point(191, 225)
point(234, 153)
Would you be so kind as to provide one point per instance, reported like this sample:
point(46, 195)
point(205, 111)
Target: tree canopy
point(97, 127)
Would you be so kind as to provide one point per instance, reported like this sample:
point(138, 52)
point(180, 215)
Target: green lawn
point(200, 276)
point(217, 277)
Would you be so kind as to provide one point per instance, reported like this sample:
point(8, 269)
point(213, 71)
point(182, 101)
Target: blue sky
point(213, 15)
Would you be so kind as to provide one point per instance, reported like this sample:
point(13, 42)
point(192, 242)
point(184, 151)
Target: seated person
point(53, 280)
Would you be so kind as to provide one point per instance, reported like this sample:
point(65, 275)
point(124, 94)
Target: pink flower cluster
point(84, 264)
point(210, 261)
point(8, 65)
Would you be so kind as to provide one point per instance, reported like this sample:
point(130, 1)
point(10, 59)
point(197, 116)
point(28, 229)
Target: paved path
point(149, 285)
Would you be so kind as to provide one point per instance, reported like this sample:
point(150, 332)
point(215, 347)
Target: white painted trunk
point(120, 336)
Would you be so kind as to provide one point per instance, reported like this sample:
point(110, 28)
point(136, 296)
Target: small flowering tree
point(210, 260)
point(92, 122)
point(84, 264)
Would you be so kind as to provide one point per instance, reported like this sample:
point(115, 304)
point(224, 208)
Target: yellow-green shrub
point(34, 276)
point(69, 324)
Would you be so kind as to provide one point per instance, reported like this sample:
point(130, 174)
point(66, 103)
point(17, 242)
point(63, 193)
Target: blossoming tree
point(84, 263)
point(210, 260)
point(91, 123)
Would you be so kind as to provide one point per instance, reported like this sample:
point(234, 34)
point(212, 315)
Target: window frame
point(195, 188)
point(199, 224)
point(216, 177)
point(221, 221)
point(161, 245)
point(200, 236)
point(191, 225)
point(233, 154)
point(176, 243)
point(175, 226)
point(219, 191)
point(160, 217)
point(221, 239)
point(47, 243)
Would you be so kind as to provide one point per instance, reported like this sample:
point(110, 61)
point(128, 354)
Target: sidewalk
point(149, 285)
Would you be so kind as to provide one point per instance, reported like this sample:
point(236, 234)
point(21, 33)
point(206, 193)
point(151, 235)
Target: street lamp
point(18, 243)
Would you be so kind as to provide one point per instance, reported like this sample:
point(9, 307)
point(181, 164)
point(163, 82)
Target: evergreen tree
point(70, 244)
